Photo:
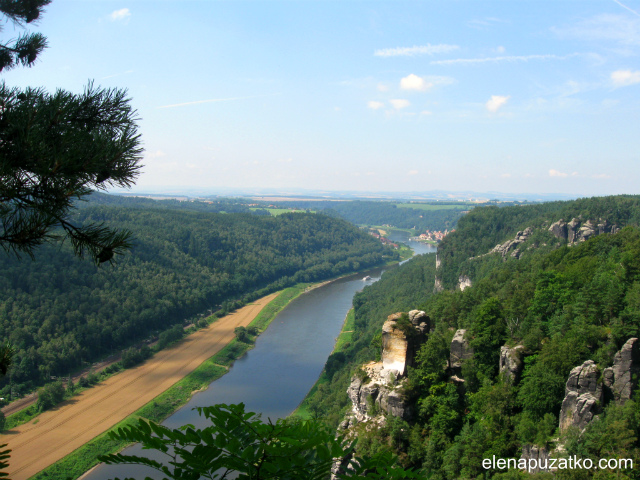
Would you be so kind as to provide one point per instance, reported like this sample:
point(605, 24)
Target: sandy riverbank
point(58, 432)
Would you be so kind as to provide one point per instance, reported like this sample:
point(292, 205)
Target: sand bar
point(59, 432)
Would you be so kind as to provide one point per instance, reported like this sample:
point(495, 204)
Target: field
point(437, 206)
point(58, 432)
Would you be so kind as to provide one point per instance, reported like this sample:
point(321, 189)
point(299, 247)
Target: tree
point(56, 149)
point(239, 445)
point(25, 49)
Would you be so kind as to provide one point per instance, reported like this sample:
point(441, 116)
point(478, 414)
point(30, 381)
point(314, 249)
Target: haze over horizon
point(487, 96)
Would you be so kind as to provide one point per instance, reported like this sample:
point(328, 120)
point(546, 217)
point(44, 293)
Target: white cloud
point(399, 103)
point(383, 88)
point(501, 49)
point(426, 112)
point(506, 175)
point(412, 172)
point(414, 82)
point(496, 102)
point(557, 173)
point(623, 78)
point(375, 105)
point(507, 58)
point(427, 49)
point(285, 160)
point(122, 14)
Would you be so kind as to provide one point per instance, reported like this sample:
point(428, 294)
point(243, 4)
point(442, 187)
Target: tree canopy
point(57, 148)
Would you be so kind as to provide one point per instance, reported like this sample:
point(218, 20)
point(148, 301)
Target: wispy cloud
point(373, 105)
point(484, 23)
point(399, 103)
point(621, 29)
point(427, 49)
point(627, 8)
point(217, 100)
point(496, 101)
point(412, 172)
point(120, 15)
point(624, 78)
point(117, 74)
point(558, 173)
point(506, 58)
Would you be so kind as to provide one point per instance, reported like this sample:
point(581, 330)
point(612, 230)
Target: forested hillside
point(553, 308)
point(362, 212)
point(60, 312)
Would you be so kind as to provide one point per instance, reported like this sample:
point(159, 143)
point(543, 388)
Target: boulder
point(622, 378)
point(583, 396)
point(586, 231)
point(559, 229)
point(511, 362)
point(460, 350)
point(420, 320)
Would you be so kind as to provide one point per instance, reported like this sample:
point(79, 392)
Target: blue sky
point(511, 96)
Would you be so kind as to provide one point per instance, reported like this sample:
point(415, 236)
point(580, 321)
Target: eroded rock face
point(622, 378)
point(510, 247)
point(575, 231)
point(583, 396)
point(541, 454)
point(437, 288)
point(379, 387)
point(464, 282)
point(559, 229)
point(460, 350)
point(394, 346)
point(511, 362)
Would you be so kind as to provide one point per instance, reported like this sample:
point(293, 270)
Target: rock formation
point(621, 379)
point(510, 247)
point(378, 387)
point(533, 452)
point(575, 231)
point(583, 396)
point(460, 350)
point(464, 282)
point(511, 362)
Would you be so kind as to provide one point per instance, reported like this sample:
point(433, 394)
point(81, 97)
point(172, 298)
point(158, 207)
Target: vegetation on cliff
point(563, 304)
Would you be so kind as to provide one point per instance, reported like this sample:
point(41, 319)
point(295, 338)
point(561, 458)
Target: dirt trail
point(58, 432)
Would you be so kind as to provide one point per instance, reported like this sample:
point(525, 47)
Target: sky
point(505, 96)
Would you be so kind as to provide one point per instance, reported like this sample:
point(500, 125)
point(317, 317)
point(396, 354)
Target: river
point(274, 377)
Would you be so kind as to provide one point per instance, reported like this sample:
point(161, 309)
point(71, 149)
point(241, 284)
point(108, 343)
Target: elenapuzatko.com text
point(552, 464)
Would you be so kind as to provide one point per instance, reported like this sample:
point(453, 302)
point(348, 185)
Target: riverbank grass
point(304, 411)
point(80, 461)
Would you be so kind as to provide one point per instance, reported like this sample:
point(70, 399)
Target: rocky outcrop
point(575, 231)
point(511, 362)
point(464, 282)
point(460, 350)
point(510, 247)
point(621, 379)
point(378, 388)
point(583, 397)
point(437, 288)
point(540, 454)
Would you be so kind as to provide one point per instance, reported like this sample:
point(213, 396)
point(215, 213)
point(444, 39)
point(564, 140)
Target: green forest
point(361, 212)
point(60, 312)
point(561, 304)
